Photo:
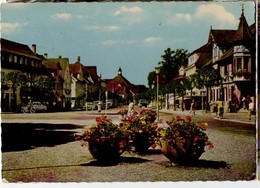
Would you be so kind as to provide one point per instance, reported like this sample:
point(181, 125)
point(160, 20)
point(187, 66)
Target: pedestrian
point(29, 105)
point(220, 109)
point(250, 109)
point(192, 108)
point(130, 109)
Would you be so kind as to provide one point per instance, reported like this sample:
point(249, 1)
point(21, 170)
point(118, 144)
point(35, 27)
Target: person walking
point(250, 109)
point(130, 109)
point(192, 108)
point(220, 109)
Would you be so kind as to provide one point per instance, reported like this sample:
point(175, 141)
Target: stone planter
point(107, 150)
point(141, 142)
point(177, 154)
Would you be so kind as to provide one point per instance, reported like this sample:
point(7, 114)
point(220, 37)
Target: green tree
point(206, 78)
point(151, 79)
point(15, 80)
point(44, 88)
point(172, 62)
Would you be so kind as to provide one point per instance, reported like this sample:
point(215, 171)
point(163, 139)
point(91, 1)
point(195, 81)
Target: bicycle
point(26, 109)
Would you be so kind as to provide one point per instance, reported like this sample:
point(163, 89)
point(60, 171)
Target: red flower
point(98, 119)
point(178, 118)
point(189, 118)
point(153, 146)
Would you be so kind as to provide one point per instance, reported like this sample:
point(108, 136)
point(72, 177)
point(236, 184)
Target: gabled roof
point(17, 48)
point(54, 62)
point(221, 36)
point(120, 79)
point(203, 59)
point(93, 72)
point(206, 48)
point(224, 37)
point(204, 53)
point(52, 65)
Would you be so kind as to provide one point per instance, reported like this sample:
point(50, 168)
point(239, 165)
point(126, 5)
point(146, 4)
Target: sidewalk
point(239, 117)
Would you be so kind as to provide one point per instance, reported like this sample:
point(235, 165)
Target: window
point(246, 60)
point(239, 63)
point(21, 60)
point(15, 59)
point(25, 61)
point(10, 58)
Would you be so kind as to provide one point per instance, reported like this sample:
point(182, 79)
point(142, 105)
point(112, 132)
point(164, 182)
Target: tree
point(15, 80)
point(44, 87)
point(172, 62)
point(206, 77)
point(151, 78)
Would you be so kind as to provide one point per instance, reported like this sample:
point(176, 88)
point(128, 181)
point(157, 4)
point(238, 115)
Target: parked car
point(38, 107)
point(142, 103)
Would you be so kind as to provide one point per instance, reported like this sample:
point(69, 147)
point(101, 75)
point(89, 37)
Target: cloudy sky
point(132, 36)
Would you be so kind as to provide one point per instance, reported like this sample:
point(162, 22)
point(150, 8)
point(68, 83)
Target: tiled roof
point(63, 62)
point(206, 48)
point(221, 36)
point(17, 48)
point(243, 32)
point(203, 59)
point(120, 79)
point(93, 72)
point(52, 65)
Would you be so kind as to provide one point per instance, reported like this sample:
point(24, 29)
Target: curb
point(235, 121)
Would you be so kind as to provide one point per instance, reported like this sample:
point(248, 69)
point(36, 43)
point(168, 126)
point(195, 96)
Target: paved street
point(41, 148)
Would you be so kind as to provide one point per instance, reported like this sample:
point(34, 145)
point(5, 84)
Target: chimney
point(34, 48)
point(78, 59)
point(45, 55)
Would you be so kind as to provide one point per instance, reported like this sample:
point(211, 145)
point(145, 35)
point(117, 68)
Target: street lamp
point(157, 71)
point(99, 96)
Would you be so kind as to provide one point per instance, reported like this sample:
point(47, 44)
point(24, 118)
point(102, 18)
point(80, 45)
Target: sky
point(132, 36)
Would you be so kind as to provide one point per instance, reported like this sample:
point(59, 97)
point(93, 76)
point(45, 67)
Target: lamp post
point(157, 71)
point(99, 96)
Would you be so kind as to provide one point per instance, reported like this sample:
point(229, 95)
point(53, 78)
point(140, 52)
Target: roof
point(52, 63)
point(243, 32)
point(206, 48)
point(221, 36)
point(93, 72)
point(17, 48)
point(120, 79)
point(204, 58)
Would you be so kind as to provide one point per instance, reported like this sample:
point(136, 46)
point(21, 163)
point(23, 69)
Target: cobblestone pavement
point(52, 155)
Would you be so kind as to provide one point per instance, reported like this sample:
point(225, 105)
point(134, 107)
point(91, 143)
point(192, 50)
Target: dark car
point(142, 103)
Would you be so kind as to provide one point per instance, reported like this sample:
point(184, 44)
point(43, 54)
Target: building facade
point(17, 57)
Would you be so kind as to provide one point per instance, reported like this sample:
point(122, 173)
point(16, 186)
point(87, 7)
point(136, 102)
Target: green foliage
point(206, 77)
point(44, 83)
point(15, 79)
point(172, 62)
point(151, 78)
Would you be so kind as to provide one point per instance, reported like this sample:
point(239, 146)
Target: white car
point(38, 106)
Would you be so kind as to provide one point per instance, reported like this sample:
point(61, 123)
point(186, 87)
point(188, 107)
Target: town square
point(129, 92)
